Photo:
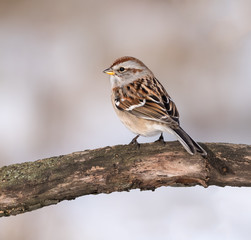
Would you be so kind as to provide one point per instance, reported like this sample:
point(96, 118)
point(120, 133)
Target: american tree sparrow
point(143, 105)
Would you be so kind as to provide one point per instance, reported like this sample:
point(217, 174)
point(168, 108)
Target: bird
point(143, 105)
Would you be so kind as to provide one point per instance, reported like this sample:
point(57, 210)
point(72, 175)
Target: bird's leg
point(161, 139)
point(134, 141)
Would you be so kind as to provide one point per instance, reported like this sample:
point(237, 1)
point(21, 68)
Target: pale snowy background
point(54, 99)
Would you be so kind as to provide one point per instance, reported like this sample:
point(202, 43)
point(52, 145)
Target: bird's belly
point(140, 126)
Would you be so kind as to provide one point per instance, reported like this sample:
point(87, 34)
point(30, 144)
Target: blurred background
point(54, 99)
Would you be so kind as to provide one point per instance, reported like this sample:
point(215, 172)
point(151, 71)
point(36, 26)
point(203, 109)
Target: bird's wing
point(147, 99)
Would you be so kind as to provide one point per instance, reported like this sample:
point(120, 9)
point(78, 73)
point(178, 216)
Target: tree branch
point(32, 185)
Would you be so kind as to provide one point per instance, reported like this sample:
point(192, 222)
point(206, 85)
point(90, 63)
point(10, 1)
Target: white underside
point(147, 128)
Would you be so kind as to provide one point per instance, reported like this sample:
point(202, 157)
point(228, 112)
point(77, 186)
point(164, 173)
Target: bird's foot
point(135, 142)
point(161, 139)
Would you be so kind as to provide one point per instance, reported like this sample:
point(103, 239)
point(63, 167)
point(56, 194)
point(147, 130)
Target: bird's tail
point(188, 143)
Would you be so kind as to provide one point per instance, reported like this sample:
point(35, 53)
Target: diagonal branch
point(32, 185)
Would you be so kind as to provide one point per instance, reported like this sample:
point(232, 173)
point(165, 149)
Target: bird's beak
point(109, 71)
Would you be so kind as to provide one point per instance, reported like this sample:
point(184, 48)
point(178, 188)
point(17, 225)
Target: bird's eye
point(121, 69)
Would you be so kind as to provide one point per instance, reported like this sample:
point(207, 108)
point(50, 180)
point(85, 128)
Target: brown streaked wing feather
point(159, 104)
point(126, 103)
point(169, 104)
point(143, 99)
point(150, 110)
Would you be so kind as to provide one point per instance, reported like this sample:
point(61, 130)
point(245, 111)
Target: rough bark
point(32, 185)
